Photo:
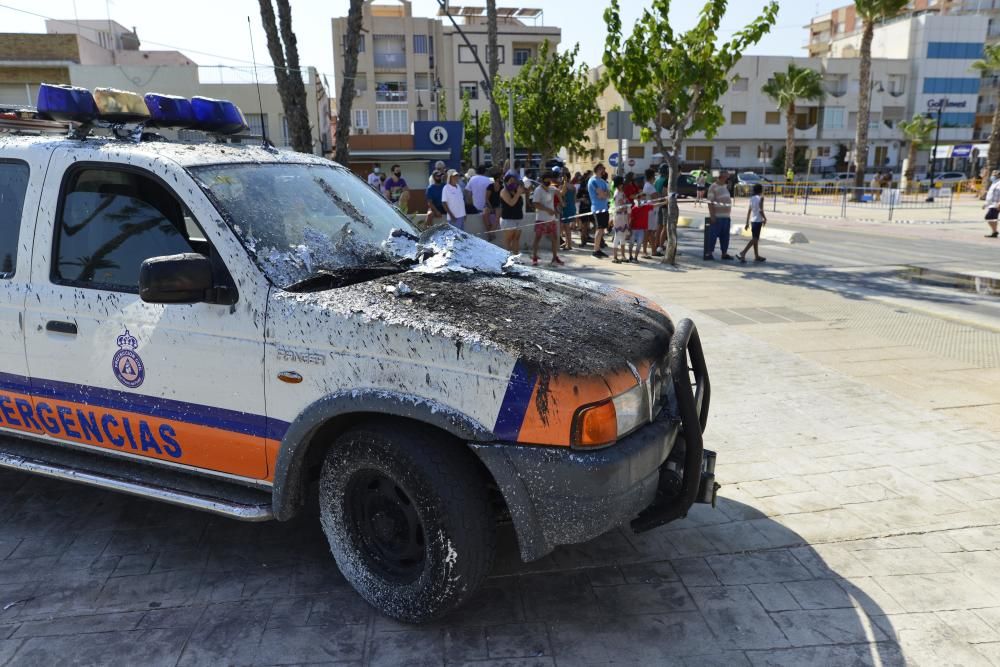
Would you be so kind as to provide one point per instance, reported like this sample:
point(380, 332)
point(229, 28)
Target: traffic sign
point(631, 162)
point(613, 159)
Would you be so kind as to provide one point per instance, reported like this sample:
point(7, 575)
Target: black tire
point(408, 517)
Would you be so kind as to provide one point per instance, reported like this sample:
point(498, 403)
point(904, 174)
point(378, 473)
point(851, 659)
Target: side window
point(110, 221)
point(13, 186)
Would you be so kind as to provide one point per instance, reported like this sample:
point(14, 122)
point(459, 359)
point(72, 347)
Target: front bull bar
point(698, 483)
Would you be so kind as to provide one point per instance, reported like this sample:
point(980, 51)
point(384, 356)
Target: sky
point(215, 32)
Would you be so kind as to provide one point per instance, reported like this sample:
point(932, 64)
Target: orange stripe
point(143, 435)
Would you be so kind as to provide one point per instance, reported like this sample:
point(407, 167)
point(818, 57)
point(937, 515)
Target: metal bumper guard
point(560, 496)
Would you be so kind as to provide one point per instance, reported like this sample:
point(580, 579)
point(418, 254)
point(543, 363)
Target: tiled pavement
point(857, 525)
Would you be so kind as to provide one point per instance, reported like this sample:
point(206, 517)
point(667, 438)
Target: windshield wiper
point(324, 279)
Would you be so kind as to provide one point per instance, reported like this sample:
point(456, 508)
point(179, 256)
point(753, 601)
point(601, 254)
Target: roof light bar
point(219, 116)
point(169, 110)
point(66, 103)
point(120, 106)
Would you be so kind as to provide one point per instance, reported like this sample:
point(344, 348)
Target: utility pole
point(937, 134)
point(478, 160)
point(510, 121)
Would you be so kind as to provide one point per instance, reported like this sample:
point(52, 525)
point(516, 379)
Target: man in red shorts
point(546, 225)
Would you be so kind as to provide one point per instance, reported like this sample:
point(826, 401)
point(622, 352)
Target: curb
point(769, 233)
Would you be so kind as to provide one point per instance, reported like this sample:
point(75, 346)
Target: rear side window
point(110, 222)
point(13, 186)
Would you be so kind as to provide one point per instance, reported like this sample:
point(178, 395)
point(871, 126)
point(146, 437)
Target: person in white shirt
point(546, 216)
point(454, 203)
point(992, 207)
point(756, 219)
point(374, 179)
point(478, 185)
point(720, 204)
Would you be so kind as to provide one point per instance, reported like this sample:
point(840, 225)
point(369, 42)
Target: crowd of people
point(624, 214)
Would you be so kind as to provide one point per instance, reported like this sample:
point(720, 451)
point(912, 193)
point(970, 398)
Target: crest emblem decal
point(126, 364)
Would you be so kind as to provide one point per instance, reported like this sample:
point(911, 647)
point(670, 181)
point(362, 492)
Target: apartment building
point(106, 54)
point(408, 64)
point(941, 38)
point(755, 128)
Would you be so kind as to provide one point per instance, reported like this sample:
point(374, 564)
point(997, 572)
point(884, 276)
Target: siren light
point(120, 106)
point(169, 110)
point(219, 116)
point(66, 103)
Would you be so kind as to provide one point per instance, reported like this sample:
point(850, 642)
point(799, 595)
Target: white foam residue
point(449, 249)
point(401, 245)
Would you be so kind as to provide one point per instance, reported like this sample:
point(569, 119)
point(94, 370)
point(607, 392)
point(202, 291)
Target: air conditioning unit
point(361, 130)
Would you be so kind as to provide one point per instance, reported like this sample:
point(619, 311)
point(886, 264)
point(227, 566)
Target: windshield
point(297, 220)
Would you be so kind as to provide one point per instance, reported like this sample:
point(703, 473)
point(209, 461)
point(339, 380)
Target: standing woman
point(512, 213)
point(583, 199)
point(701, 187)
point(567, 191)
point(491, 214)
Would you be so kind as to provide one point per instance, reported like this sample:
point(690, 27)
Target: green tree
point(917, 131)
point(673, 82)
point(469, 132)
point(284, 51)
point(799, 163)
point(989, 64)
point(871, 12)
point(797, 83)
point(557, 102)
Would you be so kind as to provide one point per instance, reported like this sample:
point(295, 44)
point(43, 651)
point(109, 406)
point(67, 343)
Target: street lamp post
point(937, 135)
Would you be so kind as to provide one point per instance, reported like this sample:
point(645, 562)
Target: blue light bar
point(169, 110)
point(219, 116)
point(66, 103)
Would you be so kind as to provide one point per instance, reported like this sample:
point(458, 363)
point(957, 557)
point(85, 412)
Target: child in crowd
point(756, 219)
point(621, 220)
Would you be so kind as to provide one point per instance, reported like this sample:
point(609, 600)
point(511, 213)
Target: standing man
point(373, 177)
point(394, 185)
point(479, 183)
point(546, 216)
point(435, 206)
point(992, 207)
point(599, 193)
point(438, 166)
point(454, 203)
point(720, 206)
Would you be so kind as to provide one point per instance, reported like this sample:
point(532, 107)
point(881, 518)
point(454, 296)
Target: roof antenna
point(260, 102)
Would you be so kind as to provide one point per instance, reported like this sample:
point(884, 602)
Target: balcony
point(391, 91)
point(390, 60)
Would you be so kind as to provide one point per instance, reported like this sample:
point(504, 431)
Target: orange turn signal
point(596, 425)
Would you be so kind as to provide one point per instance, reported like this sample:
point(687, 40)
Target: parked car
point(948, 179)
point(229, 328)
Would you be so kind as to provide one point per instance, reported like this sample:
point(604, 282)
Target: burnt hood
point(555, 324)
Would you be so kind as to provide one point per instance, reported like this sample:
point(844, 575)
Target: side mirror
point(185, 278)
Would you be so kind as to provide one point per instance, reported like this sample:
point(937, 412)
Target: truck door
point(18, 205)
point(175, 383)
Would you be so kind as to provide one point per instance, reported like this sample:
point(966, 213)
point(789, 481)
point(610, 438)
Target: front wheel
point(408, 518)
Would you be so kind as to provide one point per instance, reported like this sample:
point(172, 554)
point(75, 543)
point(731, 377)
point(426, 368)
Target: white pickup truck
point(245, 331)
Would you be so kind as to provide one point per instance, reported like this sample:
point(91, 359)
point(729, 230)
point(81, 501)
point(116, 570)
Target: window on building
point(833, 118)
point(637, 152)
point(422, 81)
point(772, 117)
point(467, 54)
point(955, 50)
point(740, 84)
point(822, 151)
point(937, 85)
point(422, 114)
point(13, 186)
point(256, 122)
point(733, 151)
point(389, 51)
point(881, 156)
point(361, 42)
point(738, 118)
point(957, 119)
point(389, 90)
point(501, 55)
point(521, 56)
point(360, 83)
point(852, 120)
point(111, 221)
point(874, 120)
point(470, 88)
point(393, 121)
point(897, 84)
point(420, 43)
point(892, 115)
point(701, 154)
point(284, 131)
point(361, 119)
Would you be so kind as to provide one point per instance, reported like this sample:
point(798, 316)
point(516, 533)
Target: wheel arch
point(314, 430)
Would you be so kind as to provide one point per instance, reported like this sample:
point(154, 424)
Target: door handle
point(58, 326)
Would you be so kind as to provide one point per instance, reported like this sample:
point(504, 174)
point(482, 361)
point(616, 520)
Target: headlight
point(595, 425)
point(603, 423)
point(631, 409)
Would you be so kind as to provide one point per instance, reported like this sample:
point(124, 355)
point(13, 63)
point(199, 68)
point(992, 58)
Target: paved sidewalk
point(859, 523)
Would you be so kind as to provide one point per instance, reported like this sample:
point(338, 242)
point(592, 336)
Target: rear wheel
point(408, 518)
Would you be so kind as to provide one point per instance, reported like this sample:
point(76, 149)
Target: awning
point(399, 154)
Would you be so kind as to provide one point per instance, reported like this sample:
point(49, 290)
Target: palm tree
point(348, 86)
point(797, 83)
point(496, 118)
point(989, 63)
point(918, 132)
point(870, 12)
point(283, 47)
